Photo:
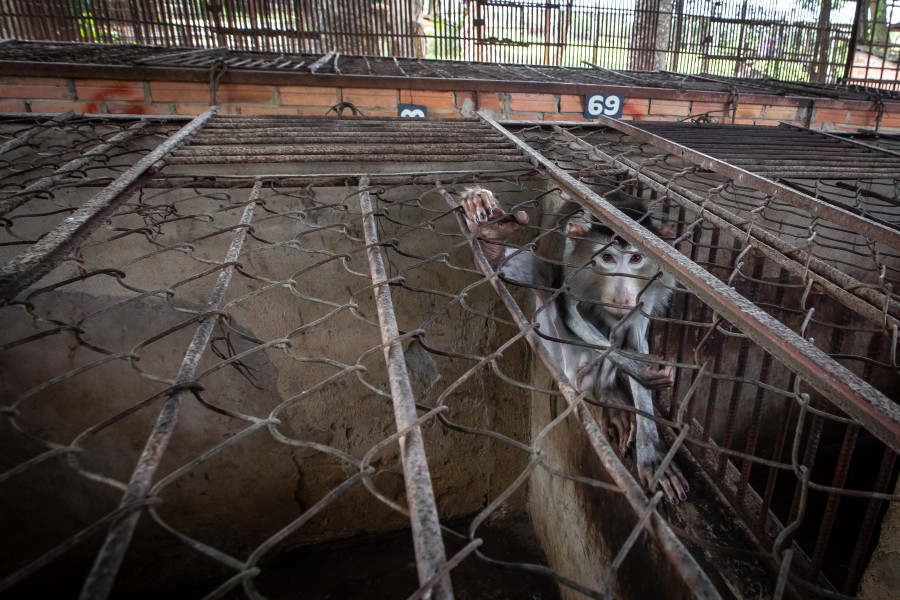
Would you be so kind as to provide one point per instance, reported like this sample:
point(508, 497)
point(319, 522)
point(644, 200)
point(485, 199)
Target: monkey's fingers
point(674, 484)
point(667, 488)
point(620, 425)
point(632, 431)
point(478, 204)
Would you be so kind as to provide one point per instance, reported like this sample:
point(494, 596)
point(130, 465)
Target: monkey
point(607, 289)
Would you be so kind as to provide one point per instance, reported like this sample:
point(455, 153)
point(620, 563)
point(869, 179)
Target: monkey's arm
point(645, 374)
point(649, 448)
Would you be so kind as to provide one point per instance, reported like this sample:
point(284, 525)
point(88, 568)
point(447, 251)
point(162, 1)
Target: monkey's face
point(611, 275)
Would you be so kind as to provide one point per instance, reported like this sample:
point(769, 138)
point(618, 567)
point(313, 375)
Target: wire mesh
point(284, 435)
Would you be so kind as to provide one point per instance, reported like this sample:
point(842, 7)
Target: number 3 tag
point(608, 105)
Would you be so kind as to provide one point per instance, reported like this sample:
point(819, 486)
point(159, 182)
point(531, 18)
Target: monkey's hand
point(485, 217)
point(619, 424)
point(654, 378)
point(673, 482)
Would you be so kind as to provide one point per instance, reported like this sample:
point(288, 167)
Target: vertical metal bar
point(53, 248)
point(831, 507)
point(786, 418)
point(429, 546)
point(103, 573)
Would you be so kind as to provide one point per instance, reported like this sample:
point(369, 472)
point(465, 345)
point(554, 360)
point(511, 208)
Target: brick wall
point(59, 94)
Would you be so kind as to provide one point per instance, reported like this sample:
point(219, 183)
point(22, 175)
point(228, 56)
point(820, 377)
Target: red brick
point(268, 110)
point(863, 118)
point(369, 98)
point(680, 108)
point(443, 113)
point(636, 106)
point(715, 109)
point(138, 108)
point(748, 111)
point(786, 113)
point(830, 115)
point(490, 101)
point(58, 106)
point(533, 102)
point(12, 106)
point(378, 111)
point(109, 89)
point(524, 117)
point(34, 88)
point(890, 119)
point(431, 99)
point(309, 96)
point(571, 104)
point(232, 93)
point(179, 91)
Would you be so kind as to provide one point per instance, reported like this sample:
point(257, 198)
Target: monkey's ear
point(578, 226)
point(576, 229)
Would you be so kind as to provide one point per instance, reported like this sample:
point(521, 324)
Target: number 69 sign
point(608, 105)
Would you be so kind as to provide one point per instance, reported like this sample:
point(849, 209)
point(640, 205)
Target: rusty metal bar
point(299, 158)
point(679, 556)
point(22, 197)
point(866, 227)
point(845, 140)
point(53, 248)
point(361, 147)
point(429, 546)
point(103, 573)
point(845, 390)
point(291, 135)
point(21, 140)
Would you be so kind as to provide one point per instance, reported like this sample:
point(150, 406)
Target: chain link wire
point(236, 315)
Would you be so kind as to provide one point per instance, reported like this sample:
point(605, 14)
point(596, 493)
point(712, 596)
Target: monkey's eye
point(636, 258)
point(608, 258)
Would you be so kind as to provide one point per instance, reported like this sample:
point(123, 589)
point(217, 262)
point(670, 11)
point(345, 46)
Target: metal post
point(429, 545)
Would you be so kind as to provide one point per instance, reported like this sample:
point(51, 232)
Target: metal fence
point(214, 239)
point(877, 53)
point(803, 41)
